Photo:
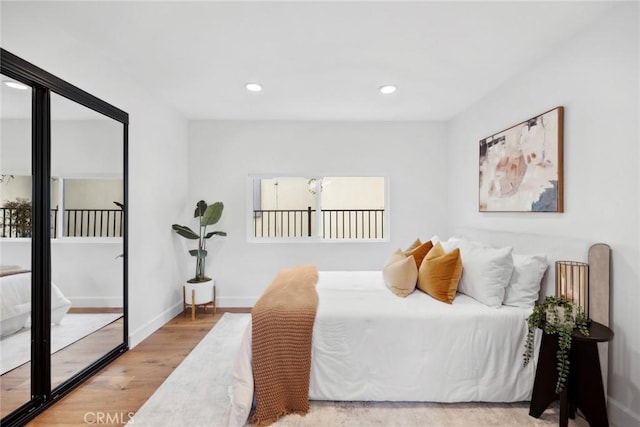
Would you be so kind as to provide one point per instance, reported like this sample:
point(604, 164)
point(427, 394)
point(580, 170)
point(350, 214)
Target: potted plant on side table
point(200, 289)
point(556, 316)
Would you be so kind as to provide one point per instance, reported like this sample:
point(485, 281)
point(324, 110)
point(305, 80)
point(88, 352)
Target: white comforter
point(369, 344)
point(15, 303)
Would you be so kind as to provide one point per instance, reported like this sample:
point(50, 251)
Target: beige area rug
point(195, 394)
point(15, 349)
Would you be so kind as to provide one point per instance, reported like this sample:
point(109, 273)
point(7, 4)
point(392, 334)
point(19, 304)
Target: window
point(92, 208)
point(318, 208)
point(80, 207)
point(15, 205)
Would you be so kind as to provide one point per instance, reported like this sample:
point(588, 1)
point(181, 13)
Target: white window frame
point(317, 237)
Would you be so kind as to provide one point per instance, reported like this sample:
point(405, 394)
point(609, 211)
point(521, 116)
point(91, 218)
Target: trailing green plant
point(548, 317)
point(207, 215)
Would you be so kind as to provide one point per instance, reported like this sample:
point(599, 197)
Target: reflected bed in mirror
point(15, 200)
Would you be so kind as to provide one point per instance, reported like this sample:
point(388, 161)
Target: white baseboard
point(621, 416)
point(95, 301)
point(225, 302)
point(137, 336)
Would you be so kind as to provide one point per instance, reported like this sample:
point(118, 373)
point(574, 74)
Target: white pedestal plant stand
point(198, 294)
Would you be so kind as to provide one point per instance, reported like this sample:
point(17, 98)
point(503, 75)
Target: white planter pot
point(195, 294)
point(202, 292)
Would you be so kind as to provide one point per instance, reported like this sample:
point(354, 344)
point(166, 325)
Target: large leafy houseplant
point(556, 316)
point(207, 215)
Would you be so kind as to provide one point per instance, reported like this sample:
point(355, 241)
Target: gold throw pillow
point(440, 273)
point(419, 252)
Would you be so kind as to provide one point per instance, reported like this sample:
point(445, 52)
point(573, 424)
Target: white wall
point(80, 149)
point(18, 187)
point(595, 76)
point(92, 193)
point(223, 154)
point(88, 273)
point(97, 142)
point(93, 141)
point(157, 162)
point(15, 146)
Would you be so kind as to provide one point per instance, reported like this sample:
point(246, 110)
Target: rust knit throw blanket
point(282, 325)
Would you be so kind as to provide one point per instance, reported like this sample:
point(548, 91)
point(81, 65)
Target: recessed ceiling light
point(15, 85)
point(387, 89)
point(253, 87)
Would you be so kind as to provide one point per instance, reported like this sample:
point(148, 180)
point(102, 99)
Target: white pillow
point(16, 320)
point(524, 286)
point(485, 272)
point(447, 245)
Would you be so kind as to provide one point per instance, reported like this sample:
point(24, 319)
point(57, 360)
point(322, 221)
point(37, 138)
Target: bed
point(370, 345)
point(15, 300)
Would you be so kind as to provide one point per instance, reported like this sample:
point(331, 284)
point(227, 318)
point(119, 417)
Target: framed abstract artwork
point(521, 167)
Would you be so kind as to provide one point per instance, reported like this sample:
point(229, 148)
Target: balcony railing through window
point(76, 223)
point(336, 223)
point(93, 222)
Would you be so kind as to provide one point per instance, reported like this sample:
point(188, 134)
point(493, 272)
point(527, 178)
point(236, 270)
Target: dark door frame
point(42, 84)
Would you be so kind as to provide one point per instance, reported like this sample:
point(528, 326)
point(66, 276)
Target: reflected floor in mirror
point(16, 348)
point(78, 341)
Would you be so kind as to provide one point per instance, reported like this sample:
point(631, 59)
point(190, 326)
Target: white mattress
point(369, 344)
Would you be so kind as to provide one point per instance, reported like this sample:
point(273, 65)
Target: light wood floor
point(122, 387)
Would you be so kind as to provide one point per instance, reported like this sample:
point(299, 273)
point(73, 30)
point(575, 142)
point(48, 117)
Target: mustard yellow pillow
point(440, 273)
point(400, 274)
point(419, 252)
point(414, 245)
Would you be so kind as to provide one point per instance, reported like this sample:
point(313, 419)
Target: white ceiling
point(316, 60)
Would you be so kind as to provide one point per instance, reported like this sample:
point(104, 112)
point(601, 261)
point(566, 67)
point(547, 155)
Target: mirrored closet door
point(15, 244)
point(63, 241)
point(86, 247)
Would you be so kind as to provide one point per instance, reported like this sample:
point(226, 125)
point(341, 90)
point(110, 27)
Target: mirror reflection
point(15, 246)
point(86, 262)
point(92, 207)
point(15, 217)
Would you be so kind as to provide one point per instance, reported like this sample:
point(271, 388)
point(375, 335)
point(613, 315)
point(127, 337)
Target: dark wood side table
point(584, 388)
